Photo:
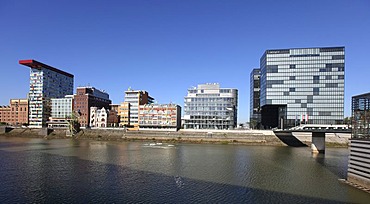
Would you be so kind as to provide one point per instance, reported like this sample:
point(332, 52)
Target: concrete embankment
point(32, 132)
point(239, 137)
point(331, 139)
point(251, 137)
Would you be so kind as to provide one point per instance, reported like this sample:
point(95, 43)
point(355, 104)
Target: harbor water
point(86, 171)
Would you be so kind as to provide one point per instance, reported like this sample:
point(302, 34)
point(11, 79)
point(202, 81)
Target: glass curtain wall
point(310, 81)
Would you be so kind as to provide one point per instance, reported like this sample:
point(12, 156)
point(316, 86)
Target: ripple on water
point(131, 173)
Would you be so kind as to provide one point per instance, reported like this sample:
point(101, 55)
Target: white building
point(98, 117)
point(61, 111)
point(210, 107)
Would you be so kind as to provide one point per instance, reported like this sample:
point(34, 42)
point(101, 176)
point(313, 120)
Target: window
point(316, 91)
point(316, 79)
point(272, 69)
point(336, 57)
point(332, 49)
point(309, 99)
point(331, 85)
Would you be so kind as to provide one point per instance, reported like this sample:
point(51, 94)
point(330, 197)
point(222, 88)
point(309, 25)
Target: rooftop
point(38, 65)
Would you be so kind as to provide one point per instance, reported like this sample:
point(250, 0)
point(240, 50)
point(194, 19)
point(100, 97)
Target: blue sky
point(167, 46)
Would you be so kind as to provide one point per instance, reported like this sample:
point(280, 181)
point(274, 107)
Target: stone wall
point(240, 137)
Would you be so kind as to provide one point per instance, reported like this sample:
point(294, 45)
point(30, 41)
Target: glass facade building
point(210, 107)
point(255, 114)
point(302, 85)
point(62, 107)
point(361, 116)
point(46, 82)
point(61, 112)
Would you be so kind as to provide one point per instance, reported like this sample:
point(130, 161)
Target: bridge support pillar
point(318, 142)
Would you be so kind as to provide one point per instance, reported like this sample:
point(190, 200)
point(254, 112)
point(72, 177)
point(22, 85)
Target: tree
point(253, 124)
point(347, 120)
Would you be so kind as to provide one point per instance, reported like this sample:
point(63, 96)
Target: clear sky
point(168, 46)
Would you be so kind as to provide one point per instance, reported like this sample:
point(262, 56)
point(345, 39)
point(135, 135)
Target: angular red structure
point(37, 65)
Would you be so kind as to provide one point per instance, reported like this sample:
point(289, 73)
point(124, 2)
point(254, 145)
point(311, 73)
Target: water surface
point(75, 171)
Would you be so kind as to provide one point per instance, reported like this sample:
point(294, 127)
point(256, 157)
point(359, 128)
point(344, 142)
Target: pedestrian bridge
point(317, 138)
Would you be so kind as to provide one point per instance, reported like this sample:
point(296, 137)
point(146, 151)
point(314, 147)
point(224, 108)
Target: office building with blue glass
point(302, 85)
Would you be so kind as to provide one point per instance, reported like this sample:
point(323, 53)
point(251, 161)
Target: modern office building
point(208, 106)
point(302, 85)
point(130, 108)
point(87, 97)
point(46, 82)
point(358, 172)
point(61, 112)
point(160, 116)
point(361, 116)
point(255, 113)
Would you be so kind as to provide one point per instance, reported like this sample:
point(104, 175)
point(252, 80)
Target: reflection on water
point(48, 171)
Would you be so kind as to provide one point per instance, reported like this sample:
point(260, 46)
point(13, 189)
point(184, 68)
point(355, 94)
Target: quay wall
point(253, 137)
point(333, 139)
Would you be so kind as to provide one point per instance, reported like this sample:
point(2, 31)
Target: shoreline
point(237, 137)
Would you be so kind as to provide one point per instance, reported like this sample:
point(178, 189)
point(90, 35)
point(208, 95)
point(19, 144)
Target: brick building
point(5, 114)
point(87, 97)
point(113, 117)
point(16, 113)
